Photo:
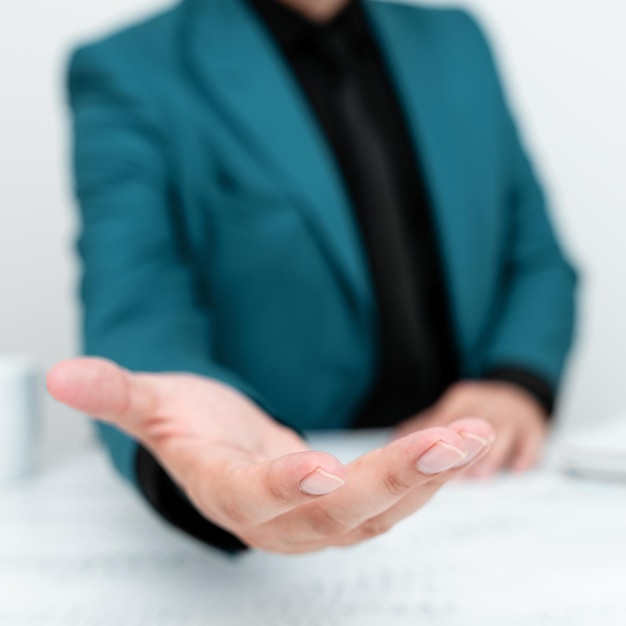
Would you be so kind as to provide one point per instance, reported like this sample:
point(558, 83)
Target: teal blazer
point(217, 233)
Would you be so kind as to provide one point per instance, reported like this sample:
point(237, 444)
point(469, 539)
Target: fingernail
point(475, 445)
point(439, 458)
point(320, 482)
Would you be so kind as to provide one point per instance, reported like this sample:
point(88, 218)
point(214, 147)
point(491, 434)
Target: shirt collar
point(294, 32)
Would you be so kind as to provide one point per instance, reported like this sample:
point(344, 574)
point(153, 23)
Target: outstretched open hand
point(256, 478)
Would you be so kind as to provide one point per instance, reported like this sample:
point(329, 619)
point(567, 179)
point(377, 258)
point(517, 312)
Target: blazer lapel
point(238, 65)
point(413, 58)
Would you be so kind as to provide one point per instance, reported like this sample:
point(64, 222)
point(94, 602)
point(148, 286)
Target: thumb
point(103, 390)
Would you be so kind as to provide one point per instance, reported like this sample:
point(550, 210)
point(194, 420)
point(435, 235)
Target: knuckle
point(324, 523)
point(373, 528)
point(233, 511)
point(157, 430)
point(278, 489)
point(277, 493)
point(395, 484)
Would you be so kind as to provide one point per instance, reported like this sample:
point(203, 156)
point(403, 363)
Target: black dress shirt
point(342, 72)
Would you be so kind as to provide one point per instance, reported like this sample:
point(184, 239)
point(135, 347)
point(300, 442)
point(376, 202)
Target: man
point(318, 214)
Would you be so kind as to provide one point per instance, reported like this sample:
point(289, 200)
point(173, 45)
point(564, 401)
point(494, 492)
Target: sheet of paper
point(78, 548)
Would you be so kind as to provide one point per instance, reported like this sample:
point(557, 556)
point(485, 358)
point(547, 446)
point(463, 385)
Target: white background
point(564, 65)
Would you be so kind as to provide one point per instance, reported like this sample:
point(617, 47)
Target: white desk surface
point(79, 548)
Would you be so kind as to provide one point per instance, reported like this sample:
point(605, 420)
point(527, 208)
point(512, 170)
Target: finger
point(497, 457)
point(105, 391)
point(478, 436)
point(376, 481)
point(528, 452)
point(239, 493)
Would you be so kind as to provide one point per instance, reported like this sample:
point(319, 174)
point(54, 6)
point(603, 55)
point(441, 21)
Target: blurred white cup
point(19, 407)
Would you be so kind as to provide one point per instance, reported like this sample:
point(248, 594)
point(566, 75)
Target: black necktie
point(404, 375)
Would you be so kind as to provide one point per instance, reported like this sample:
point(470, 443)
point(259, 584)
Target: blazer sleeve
point(534, 326)
point(142, 305)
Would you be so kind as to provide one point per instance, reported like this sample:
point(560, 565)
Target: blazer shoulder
point(130, 55)
point(433, 16)
point(454, 39)
point(444, 25)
